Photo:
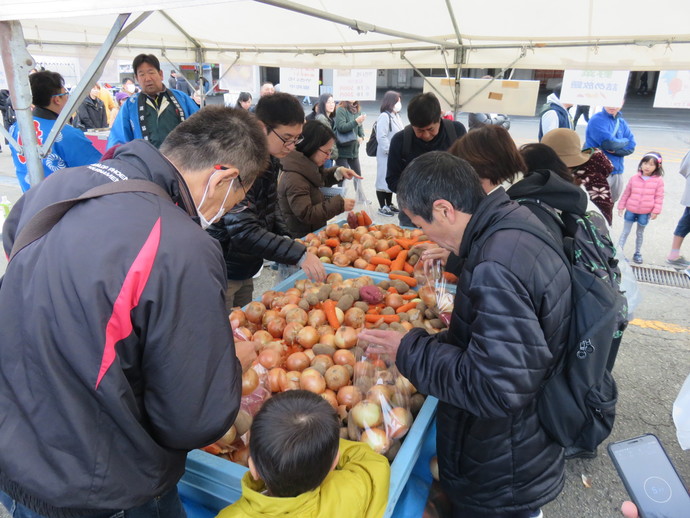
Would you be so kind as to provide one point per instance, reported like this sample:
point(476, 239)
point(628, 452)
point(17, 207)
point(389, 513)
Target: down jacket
point(643, 196)
point(258, 232)
point(116, 354)
point(301, 201)
point(508, 327)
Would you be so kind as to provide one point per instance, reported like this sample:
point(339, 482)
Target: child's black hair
point(654, 157)
point(294, 441)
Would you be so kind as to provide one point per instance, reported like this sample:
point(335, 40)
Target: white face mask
point(397, 107)
point(129, 87)
point(221, 210)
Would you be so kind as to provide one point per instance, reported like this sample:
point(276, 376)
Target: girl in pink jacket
point(642, 200)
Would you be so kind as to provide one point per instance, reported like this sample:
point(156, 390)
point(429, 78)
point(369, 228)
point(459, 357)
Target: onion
point(366, 414)
point(268, 316)
point(377, 439)
point(352, 255)
point(250, 380)
point(277, 379)
point(267, 298)
point(291, 381)
point(349, 396)
point(297, 315)
point(226, 441)
point(237, 318)
point(269, 358)
point(255, 310)
point(297, 361)
point(310, 354)
point(307, 337)
point(344, 357)
point(332, 230)
point(379, 393)
point(241, 455)
point(363, 369)
point(262, 336)
point(316, 318)
point(382, 245)
point(347, 235)
point(276, 327)
point(404, 385)
point(393, 300)
point(345, 337)
point(354, 317)
point(360, 263)
point(336, 377)
point(290, 332)
point(399, 422)
point(329, 396)
point(334, 278)
point(287, 307)
point(428, 296)
point(325, 329)
point(341, 259)
point(313, 381)
point(322, 362)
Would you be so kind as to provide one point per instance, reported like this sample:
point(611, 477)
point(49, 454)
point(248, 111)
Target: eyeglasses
point(60, 95)
point(239, 207)
point(291, 141)
point(327, 153)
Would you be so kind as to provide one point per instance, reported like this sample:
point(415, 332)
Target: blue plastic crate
point(211, 483)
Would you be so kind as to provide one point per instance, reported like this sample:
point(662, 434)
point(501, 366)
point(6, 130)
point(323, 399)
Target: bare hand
point(361, 118)
point(621, 212)
point(629, 510)
point(348, 204)
point(431, 254)
point(386, 342)
point(349, 174)
point(653, 216)
point(314, 268)
point(246, 353)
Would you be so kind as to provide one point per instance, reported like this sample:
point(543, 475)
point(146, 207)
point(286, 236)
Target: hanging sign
point(357, 84)
point(300, 81)
point(673, 89)
point(594, 87)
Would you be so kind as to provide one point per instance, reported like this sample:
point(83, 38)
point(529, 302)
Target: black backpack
point(373, 143)
point(576, 404)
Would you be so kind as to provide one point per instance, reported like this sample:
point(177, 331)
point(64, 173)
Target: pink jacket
point(643, 196)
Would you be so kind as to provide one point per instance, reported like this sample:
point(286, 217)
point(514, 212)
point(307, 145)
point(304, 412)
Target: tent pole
point(455, 22)
point(198, 52)
point(353, 24)
point(95, 69)
point(523, 53)
point(459, 60)
point(429, 82)
point(17, 62)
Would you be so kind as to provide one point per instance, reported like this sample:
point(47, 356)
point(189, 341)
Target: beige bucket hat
point(566, 143)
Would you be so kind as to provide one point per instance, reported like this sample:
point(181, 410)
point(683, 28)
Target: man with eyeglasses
point(426, 132)
point(155, 111)
point(116, 353)
point(71, 148)
point(259, 232)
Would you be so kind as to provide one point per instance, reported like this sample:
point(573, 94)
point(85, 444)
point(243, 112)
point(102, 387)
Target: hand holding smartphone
point(650, 478)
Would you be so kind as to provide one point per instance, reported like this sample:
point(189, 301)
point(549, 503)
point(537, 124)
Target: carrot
point(399, 262)
point(380, 260)
point(407, 243)
point(332, 242)
point(367, 219)
point(450, 277)
point(394, 251)
point(411, 281)
point(409, 295)
point(370, 267)
point(408, 268)
point(382, 318)
point(392, 290)
point(373, 311)
point(213, 449)
point(329, 309)
point(406, 307)
point(360, 219)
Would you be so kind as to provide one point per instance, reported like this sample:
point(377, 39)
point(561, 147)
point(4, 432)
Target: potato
point(345, 302)
point(362, 305)
point(324, 292)
point(384, 285)
point(354, 292)
point(401, 286)
point(388, 311)
point(328, 350)
point(436, 323)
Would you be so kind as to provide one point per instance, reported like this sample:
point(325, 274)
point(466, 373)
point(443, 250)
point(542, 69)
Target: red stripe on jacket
point(120, 324)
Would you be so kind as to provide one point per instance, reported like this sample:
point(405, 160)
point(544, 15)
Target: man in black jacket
point(116, 354)
point(426, 132)
point(256, 230)
point(91, 113)
point(508, 327)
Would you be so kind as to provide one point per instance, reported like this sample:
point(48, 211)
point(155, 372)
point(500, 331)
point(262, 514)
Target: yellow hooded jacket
point(357, 488)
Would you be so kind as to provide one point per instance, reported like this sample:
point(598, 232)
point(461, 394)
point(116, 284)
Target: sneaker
point(537, 514)
point(394, 208)
point(386, 211)
point(679, 262)
point(637, 258)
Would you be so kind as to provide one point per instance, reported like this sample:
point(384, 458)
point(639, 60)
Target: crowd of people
point(117, 356)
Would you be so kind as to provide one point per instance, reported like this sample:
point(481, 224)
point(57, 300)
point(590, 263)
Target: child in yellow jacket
point(299, 467)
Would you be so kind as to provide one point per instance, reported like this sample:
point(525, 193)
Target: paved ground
point(655, 355)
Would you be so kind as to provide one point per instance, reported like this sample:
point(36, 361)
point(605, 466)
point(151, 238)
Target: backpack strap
point(450, 129)
point(46, 218)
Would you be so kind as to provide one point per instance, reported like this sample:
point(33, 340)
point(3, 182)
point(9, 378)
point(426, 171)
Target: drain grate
point(661, 276)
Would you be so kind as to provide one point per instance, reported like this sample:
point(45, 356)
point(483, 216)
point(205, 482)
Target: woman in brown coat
point(303, 204)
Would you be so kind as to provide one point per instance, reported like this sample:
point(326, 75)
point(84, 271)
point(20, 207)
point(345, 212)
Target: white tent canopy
point(537, 34)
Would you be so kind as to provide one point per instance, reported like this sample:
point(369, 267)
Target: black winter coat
point(258, 232)
point(91, 114)
point(116, 354)
point(509, 324)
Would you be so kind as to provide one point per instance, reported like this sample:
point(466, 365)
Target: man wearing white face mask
point(120, 307)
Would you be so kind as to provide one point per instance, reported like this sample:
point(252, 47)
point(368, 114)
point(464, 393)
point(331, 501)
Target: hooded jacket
point(357, 488)
point(509, 325)
point(116, 354)
point(258, 232)
point(302, 203)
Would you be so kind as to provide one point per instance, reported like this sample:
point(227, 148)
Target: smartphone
point(650, 478)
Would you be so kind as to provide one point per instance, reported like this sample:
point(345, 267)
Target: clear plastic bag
point(360, 215)
point(434, 292)
point(628, 283)
point(681, 415)
point(383, 416)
